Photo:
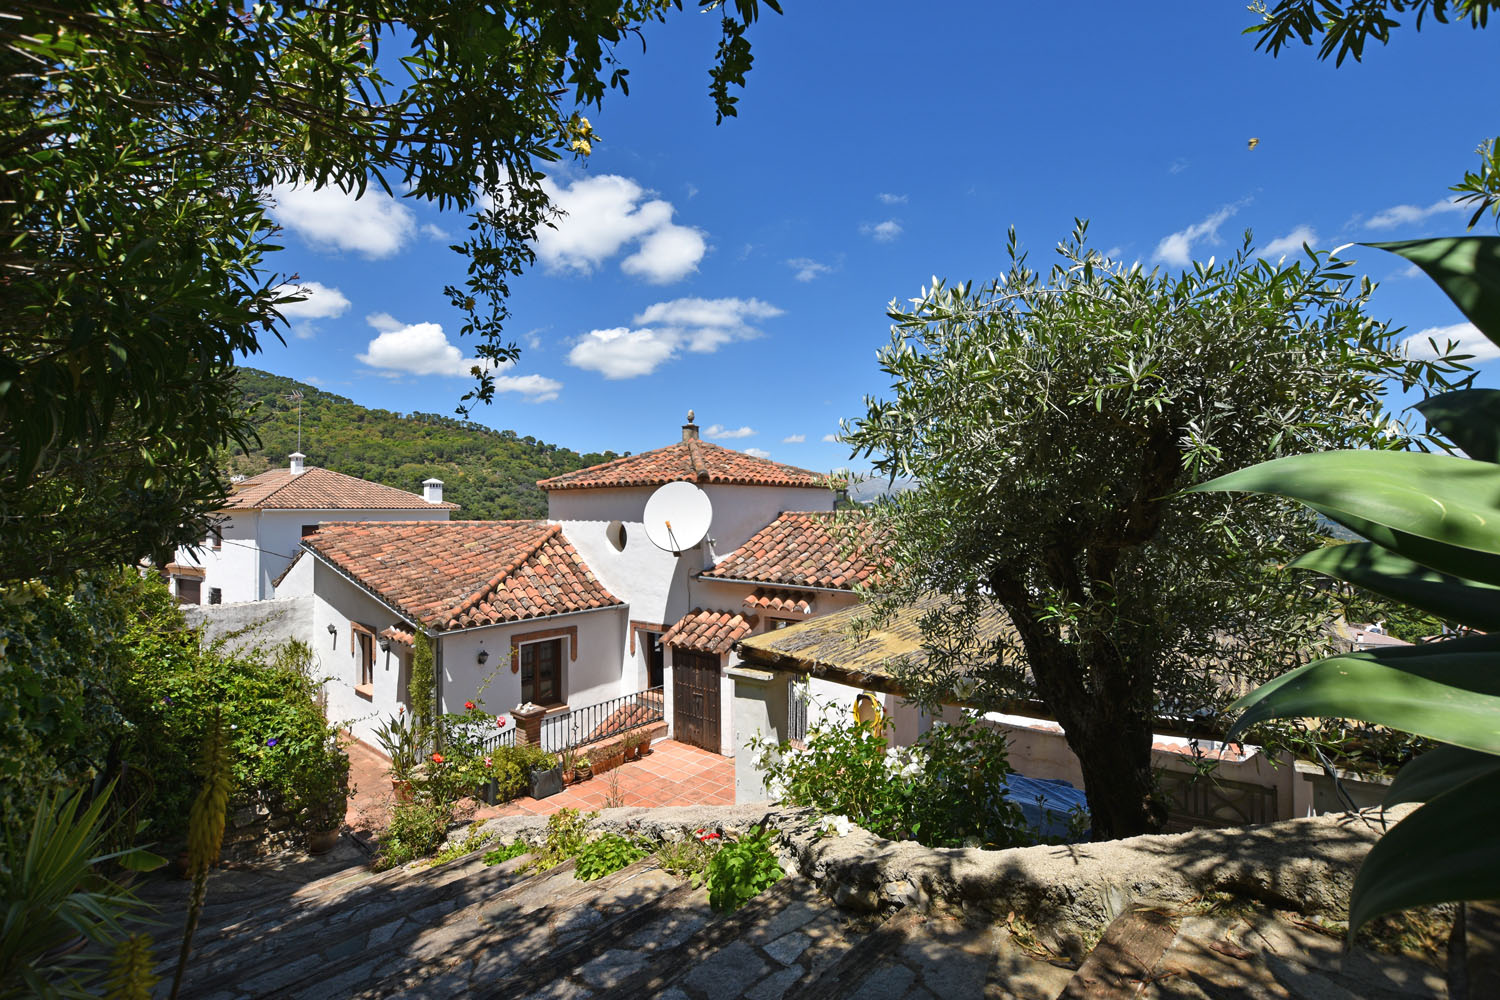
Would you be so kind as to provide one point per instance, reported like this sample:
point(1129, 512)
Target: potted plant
point(402, 739)
point(569, 761)
point(319, 792)
point(585, 768)
point(634, 741)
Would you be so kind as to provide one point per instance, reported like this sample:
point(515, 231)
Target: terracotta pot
point(569, 777)
point(631, 753)
point(322, 841)
point(402, 790)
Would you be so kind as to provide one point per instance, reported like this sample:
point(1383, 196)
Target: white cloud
point(413, 349)
point(807, 269)
point(1291, 243)
point(536, 388)
point(318, 302)
point(1465, 336)
point(663, 329)
point(720, 432)
point(1406, 215)
point(757, 453)
point(375, 225)
point(891, 199)
point(621, 352)
point(882, 232)
point(1177, 166)
point(794, 439)
point(433, 232)
point(1177, 249)
point(831, 438)
point(605, 213)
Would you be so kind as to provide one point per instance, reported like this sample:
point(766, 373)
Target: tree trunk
point(1115, 756)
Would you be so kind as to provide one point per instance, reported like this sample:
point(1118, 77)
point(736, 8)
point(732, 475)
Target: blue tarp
point(1048, 804)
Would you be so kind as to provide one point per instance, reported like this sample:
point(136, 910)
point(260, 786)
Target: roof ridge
point(700, 470)
point(477, 598)
point(612, 462)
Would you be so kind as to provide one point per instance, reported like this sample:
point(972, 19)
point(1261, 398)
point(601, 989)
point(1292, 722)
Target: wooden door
point(695, 699)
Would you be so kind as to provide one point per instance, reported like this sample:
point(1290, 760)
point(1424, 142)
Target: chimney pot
point(690, 429)
point(296, 457)
point(432, 490)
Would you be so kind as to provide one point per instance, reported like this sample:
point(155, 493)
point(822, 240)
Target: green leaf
point(141, 861)
point(1470, 418)
point(1466, 267)
point(1435, 509)
point(1442, 852)
point(1446, 694)
point(1384, 572)
point(1436, 771)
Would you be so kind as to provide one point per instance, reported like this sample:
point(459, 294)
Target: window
point(615, 532)
point(215, 539)
point(189, 591)
point(215, 595)
point(308, 529)
point(366, 656)
point(541, 672)
point(772, 624)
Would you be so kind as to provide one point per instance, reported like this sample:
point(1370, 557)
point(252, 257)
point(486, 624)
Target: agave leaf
point(1432, 691)
point(1438, 510)
point(1466, 267)
point(1436, 771)
point(1377, 569)
point(1470, 418)
point(1444, 851)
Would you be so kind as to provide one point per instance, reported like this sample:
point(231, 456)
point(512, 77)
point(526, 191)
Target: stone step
point(537, 936)
point(787, 934)
point(261, 951)
point(936, 956)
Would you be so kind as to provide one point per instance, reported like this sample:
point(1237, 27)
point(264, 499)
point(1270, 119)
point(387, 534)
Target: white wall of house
point(337, 601)
point(234, 566)
point(279, 534)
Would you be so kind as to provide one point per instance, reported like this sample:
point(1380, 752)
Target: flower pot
point(402, 790)
point(585, 773)
point(322, 841)
point(631, 753)
point(569, 776)
point(546, 781)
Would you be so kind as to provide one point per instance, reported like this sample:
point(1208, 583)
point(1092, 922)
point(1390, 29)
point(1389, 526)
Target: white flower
point(776, 789)
point(837, 825)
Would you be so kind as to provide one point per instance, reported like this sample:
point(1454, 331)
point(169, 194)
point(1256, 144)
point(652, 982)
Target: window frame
point(560, 667)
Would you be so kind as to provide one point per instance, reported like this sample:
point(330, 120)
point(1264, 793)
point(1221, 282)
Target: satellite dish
point(677, 516)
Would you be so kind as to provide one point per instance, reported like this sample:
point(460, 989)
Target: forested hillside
point(491, 473)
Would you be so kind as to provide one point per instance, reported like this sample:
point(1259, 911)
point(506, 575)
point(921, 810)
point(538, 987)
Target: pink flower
point(499, 722)
point(489, 762)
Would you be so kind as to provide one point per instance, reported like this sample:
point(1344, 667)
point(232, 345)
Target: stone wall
point(259, 824)
point(252, 623)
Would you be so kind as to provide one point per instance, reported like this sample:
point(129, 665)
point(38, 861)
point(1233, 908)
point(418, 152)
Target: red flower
point(469, 705)
point(499, 722)
point(437, 758)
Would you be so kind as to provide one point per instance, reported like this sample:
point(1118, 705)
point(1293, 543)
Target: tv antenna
point(677, 517)
point(296, 397)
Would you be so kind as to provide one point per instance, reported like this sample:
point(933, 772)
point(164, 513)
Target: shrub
point(944, 791)
point(608, 852)
point(505, 853)
point(741, 869)
point(689, 857)
point(417, 830)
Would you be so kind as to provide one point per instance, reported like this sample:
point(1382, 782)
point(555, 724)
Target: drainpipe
point(437, 684)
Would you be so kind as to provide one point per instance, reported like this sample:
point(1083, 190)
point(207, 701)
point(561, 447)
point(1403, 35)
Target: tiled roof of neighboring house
point(766, 599)
point(183, 569)
point(691, 461)
point(456, 574)
point(398, 635)
point(321, 489)
point(296, 558)
point(803, 549)
point(708, 631)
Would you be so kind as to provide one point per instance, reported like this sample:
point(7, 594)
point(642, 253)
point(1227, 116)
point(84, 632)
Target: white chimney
point(296, 458)
point(432, 490)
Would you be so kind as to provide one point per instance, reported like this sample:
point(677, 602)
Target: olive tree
point(1052, 421)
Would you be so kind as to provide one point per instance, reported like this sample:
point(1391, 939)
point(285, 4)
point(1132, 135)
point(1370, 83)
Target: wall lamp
point(385, 644)
point(482, 657)
point(333, 629)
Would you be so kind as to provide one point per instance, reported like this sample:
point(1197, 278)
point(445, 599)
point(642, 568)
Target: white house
point(582, 607)
point(265, 519)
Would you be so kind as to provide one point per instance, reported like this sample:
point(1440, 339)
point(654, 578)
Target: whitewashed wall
point(280, 535)
point(234, 567)
point(337, 602)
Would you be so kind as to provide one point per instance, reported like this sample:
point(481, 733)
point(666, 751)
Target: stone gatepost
point(760, 710)
point(528, 724)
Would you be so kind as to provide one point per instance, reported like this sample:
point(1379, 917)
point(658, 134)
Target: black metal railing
point(603, 721)
point(502, 738)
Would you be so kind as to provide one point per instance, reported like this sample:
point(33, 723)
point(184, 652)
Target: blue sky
point(744, 270)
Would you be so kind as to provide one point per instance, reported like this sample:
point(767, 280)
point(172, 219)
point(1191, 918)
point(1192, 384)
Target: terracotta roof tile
point(709, 631)
point(456, 574)
point(398, 635)
point(766, 599)
point(803, 549)
point(322, 489)
point(692, 461)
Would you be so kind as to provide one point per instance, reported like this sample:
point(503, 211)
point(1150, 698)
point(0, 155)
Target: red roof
point(692, 461)
point(767, 599)
point(457, 574)
point(322, 489)
point(803, 548)
point(708, 631)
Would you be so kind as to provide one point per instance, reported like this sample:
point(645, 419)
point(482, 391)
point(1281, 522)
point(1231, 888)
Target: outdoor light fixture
point(482, 657)
point(385, 644)
point(333, 629)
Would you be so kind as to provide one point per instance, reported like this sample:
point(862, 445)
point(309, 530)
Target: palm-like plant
point(1433, 528)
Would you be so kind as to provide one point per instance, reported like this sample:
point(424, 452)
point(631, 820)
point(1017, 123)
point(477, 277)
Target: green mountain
point(491, 473)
